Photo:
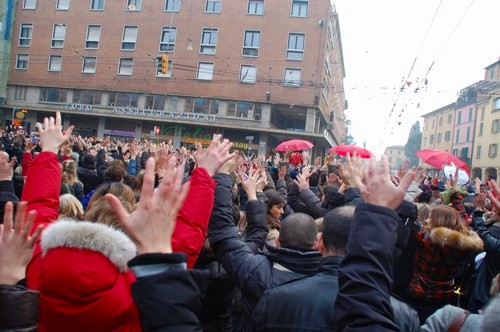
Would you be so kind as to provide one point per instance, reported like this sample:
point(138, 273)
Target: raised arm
point(365, 279)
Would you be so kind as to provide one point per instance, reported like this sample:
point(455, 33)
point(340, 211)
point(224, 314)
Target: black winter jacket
point(18, 308)
point(253, 274)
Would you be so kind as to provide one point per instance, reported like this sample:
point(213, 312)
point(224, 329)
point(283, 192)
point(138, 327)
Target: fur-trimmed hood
point(110, 242)
point(445, 237)
point(84, 282)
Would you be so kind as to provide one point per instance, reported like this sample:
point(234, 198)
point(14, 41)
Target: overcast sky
point(391, 42)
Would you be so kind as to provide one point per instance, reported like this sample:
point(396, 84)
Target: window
point(440, 121)
point(292, 77)
point(251, 43)
point(25, 34)
point(134, 5)
point(255, 7)
point(55, 62)
point(481, 128)
point(295, 49)
point(248, 74)
point(88, 97)
point(155, 102)
point(169, 68)
point(125, 66)
point(93, 36)
point(459, 120)
point(457, 138)
point(168, 37)
point(29, 4)
point(492, 152)
point(96, 4)
point(455, 152)
point(440, 136)
point(22, 61)
point(20, 92)
point(300, 8)
point(483, 109)
point(467, 138)
point(495, 126)
point(129, 38)
point(450, 118)
point(123, 99)
point(58, 35)
point(172, 5)
point(470, 114)
point(89, 64)
point(208, 41)
point(496, 104)
point(53, 95)
point(213, 6)
point(447, 136)
point(62, 5)
point(478, 152)
point(433, 123)
point(205, 71)
point(431, 140)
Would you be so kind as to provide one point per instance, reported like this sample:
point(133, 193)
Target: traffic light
point(164, 63)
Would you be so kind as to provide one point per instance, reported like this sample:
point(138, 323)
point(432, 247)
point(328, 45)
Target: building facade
point(257, 71)
point(437, 132)
point(486, 157)
point(395, 155)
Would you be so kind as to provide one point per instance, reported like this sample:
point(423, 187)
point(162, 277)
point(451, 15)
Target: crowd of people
point(110, 235)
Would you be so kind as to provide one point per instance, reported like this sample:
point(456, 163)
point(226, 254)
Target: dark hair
point(424, 197)
point(314, 179)
point(336, 225)
point(322, 178)
point(274, 198)
point(298, 231)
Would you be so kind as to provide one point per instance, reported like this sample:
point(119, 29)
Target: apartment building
point(257, 71)
point(486, 157)
point(437, 132)
point(395, 155)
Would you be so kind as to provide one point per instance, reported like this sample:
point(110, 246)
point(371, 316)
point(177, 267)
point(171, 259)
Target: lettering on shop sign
point(164, 114)
point(197, 135)
point(79, 107)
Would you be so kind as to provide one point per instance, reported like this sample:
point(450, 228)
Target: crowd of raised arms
point(115, 235)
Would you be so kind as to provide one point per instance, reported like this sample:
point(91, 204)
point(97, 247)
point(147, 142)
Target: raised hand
point(215, 156)
point(352, 170)
point(249, 182)
point(6, 166)
point(494, 200)
point(301, 182)
point(51, 135)
point(282, 172)
point(153, 221)
point(16, 245)
point(378, 188)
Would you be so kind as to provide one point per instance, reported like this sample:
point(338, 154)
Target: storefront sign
point(122, 133)
point(147, 112)
point(164, 114)
point(79, 107)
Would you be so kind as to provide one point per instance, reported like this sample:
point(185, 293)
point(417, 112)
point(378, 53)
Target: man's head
point(298, 231)
point(336, 225)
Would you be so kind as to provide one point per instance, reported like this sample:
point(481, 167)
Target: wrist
point(162, 249)
point(11, 277)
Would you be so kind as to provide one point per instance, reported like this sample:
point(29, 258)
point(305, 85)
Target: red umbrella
point(294, 144)
point(343, 150)
point(438, 158)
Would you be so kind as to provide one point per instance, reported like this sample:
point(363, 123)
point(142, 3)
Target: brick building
point(257, 71)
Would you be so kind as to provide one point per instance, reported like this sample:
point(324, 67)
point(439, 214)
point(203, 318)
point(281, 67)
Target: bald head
point(298, 231)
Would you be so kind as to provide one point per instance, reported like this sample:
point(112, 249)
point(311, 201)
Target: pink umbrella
point(343, 150)
point(438, 158)
point(294, 144)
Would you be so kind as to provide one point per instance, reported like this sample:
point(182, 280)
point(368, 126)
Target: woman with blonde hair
point(442, 247)
point(69, 180)
point(70, 207)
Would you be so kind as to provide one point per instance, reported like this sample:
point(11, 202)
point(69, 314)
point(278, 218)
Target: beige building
point(486, 154)
point(437, 132)
point(396, 156)
point(259, 72)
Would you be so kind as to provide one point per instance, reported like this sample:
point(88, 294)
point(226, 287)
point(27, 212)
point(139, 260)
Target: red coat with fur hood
point(80, 268)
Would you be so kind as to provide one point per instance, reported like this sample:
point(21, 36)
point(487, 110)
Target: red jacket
point(82, 276)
